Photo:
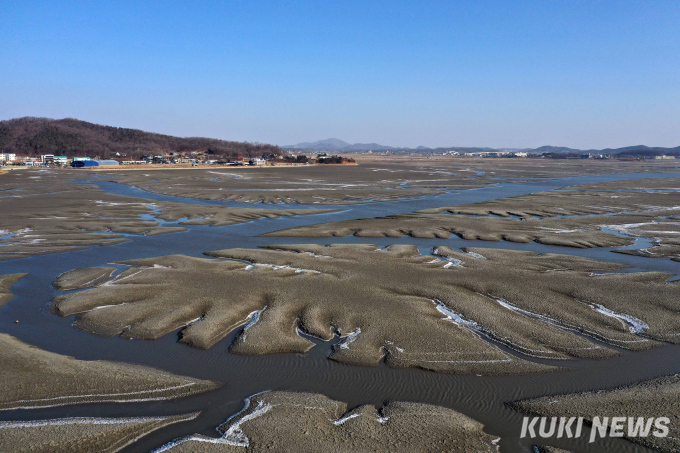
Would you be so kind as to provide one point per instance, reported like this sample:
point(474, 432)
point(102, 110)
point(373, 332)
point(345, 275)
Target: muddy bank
point(572, 233)
point(6, 282)
point(80, 435)
point(83, 278)
point(33, 378)
point(445, 314)
point(306, 422)
point(650, 399)
point(220, 216)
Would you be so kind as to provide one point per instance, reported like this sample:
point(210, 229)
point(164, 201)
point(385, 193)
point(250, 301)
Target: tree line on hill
point(35, 136)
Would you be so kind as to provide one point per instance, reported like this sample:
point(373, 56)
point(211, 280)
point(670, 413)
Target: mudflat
point(602, 215)
point(449, 312)
point(375, 179)
point(307, 422)
point(645, 208)
point(80, 435)
point(305, 184)
point(31, 378)
point(53, 214)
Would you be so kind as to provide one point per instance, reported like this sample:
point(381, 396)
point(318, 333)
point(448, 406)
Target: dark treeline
point(335, 160)
point(34, 136)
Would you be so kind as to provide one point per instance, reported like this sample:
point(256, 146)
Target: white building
point(7, 157)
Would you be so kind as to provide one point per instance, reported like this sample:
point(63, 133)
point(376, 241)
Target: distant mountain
point(334, 144)
point(633, 151)
point(34, 136)
point(367, 147)
point(327, 145)
point(643, 151)
point(553, 149)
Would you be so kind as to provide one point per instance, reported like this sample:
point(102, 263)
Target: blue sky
point(586, 74)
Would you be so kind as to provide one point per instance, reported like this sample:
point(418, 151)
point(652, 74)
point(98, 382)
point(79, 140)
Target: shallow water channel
point(482, 398)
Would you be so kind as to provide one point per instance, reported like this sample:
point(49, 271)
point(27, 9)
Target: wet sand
point(307, 422)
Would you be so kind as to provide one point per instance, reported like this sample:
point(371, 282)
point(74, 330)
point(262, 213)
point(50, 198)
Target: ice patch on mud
point(5, 234)
point(451, 262)
point(635, 325)
point(627, 227)
point(82, 421)
point(117, 278)
point(349, 338)
point(505, 304)
point(276, 267)
point(566, 326)
point(457, 318)
point(317, 255)
point(233, 435)
point(111, 203)
point(342, 420)
point(253, 318)
point(232, 175)
point(562, 231)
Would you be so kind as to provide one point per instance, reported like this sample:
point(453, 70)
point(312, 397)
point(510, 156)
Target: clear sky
point(586, 74)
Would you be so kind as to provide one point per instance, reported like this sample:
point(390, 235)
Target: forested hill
point(34, 136)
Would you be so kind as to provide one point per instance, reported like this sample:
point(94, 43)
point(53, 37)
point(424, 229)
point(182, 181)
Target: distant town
point(196, 158)
point(193, 158)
